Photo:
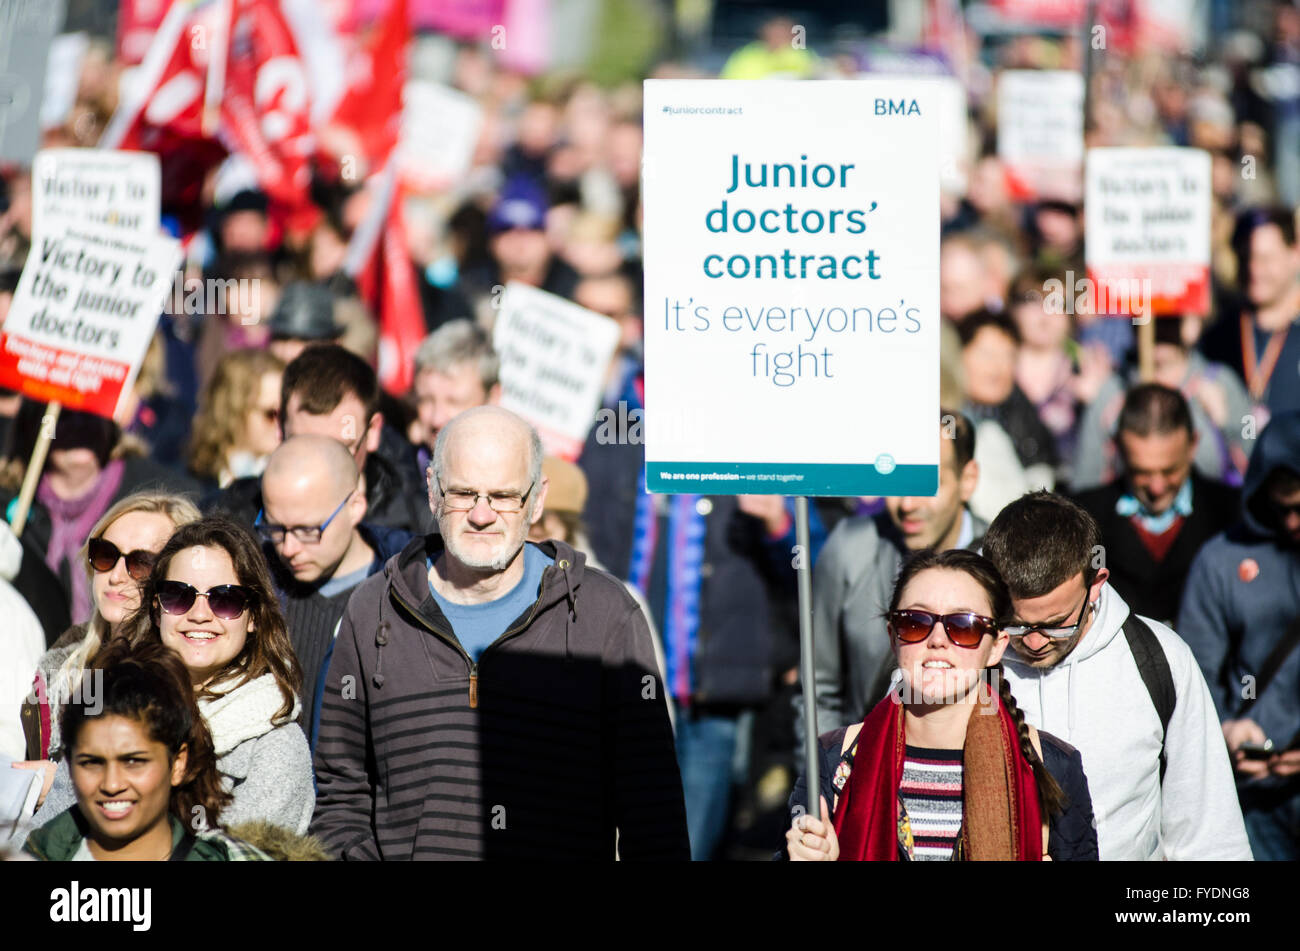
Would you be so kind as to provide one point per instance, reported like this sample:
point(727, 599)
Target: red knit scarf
point(1001, 817)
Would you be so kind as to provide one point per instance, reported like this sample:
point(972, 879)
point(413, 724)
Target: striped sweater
point(931, 790)
point(556, 740)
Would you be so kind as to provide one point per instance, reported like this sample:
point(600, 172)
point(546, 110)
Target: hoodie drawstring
point(572, 615)
point(1069, 693)
point(381, 638)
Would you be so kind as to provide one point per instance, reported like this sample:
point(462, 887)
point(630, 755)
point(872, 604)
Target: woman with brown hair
point(143, 768)
point(238, 422)
point(945, 767)
point(209, 598)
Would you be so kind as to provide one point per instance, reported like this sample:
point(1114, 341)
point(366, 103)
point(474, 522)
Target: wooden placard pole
point(1146, 344)
point(35, 466)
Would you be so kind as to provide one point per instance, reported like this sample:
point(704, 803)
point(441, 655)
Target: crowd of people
point(272, 609)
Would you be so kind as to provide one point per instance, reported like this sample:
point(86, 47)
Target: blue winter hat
point(522, 204)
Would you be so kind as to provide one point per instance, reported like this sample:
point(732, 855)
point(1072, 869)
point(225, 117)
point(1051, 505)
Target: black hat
point(246, 200)
point(9, 275)
point(305, 311)
point(1170, 330)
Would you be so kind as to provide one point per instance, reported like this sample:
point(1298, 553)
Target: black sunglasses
point(103, 556)
point(227, 601)
point(964, 629)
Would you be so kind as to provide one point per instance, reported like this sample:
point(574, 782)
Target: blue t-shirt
point(478, 625)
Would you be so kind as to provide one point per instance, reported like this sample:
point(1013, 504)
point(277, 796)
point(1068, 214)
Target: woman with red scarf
point(945, 767)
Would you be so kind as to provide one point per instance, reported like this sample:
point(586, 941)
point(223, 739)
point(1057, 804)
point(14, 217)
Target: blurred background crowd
point(348, 238)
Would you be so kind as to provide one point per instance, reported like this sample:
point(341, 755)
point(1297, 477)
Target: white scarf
point(244, 712)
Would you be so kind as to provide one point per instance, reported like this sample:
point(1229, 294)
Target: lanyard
point(1257, 377)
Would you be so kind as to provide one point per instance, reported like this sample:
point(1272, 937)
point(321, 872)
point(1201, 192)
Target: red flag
point(372, 105)
point(137, 23)
point(264, 100)
point(401, 317)
point(166, 95)
point(266, 104)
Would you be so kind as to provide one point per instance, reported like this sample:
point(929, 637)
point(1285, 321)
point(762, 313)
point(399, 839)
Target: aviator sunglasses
point(103, 556)
point(964, 630)
point(227, 601)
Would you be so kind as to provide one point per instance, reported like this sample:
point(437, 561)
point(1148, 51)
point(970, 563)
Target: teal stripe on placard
point(781, 478)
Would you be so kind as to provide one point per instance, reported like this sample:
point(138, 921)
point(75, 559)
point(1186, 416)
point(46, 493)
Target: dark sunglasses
point(964, 630)
point(103, 556)
point(227, 601)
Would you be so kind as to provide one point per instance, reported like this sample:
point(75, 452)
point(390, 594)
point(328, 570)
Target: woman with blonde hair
point(117, 556)
point(238, 423)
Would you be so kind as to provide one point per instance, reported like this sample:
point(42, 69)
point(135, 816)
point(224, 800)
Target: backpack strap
point(1272, 664)
point(1153, 665)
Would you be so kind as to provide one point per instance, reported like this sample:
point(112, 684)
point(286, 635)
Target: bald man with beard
point(319, 548)
point(491, 697)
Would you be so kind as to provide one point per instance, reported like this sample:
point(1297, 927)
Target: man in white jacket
point(1074, 674)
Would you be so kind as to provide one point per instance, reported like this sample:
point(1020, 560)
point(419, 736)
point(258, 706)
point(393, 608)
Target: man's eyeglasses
point(1055, 633)
point(964, 629)
point(307, 534)
point(464, 500)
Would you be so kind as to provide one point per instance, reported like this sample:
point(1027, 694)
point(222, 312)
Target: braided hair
point(1050, 795)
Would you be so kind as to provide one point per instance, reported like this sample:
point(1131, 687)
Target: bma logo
point(897, 107)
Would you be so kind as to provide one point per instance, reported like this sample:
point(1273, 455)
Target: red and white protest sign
point(1040, 132)
point(554, 359)
point(83, 313)
point(1148, 220)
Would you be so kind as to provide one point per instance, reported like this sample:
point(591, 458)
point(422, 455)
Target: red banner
point(77, 380)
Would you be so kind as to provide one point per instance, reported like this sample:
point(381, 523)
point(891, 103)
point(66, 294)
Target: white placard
point(27, 28)
point(440, 128)
point(792, 275)
point(554, 359)
point(1148, 219)
point(77, 188)
point(62, 77)
point(1040, 131)
point(954, 127)
point(82, 315)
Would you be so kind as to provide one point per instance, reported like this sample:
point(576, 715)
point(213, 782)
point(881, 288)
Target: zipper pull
point(473, 686)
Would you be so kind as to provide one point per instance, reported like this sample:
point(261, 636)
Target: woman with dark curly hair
point(143, 766)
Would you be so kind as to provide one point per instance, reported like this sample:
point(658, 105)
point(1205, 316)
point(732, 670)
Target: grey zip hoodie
point(554, 741)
